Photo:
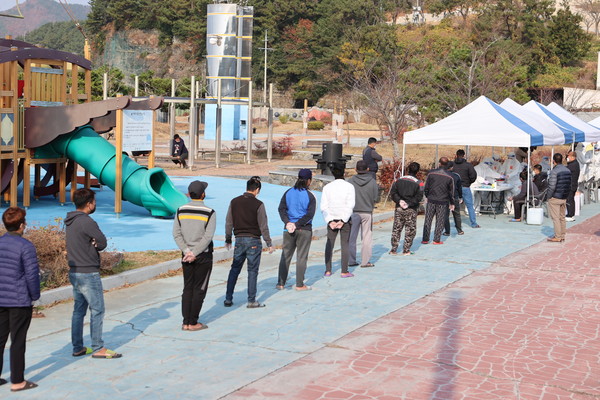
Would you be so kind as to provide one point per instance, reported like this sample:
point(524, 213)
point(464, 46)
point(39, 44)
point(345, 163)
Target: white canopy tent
point(553, 134)
point(572, 133)
point(592, 134)
point(480, 123)
point(595, 122)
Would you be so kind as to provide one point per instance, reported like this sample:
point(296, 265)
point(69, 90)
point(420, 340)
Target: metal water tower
point(229, 60)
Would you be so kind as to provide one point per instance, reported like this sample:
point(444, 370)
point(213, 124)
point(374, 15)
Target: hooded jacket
point(466, 171)
point(82, 232)
point(366, 192)
point(19, 272)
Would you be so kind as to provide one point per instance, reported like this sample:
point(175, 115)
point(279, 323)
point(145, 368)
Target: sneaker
point(255, 304)
point(425, 242)
point(347, 275)
point(228, 303)
point(434, 242)
point(569, 219)
point(327, 273)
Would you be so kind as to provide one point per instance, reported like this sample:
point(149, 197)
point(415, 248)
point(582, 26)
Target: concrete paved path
point(528, 327)
point(442, 335)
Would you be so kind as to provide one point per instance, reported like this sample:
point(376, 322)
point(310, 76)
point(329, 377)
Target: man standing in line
point(84, 242)
point(366, 193)
point(179, 152)
point(337, 203)
point(559, 186)
point(247, 219)
point(193, 230)
point(407, 194)
point(439, 191)
point(296, 209)
point(573, 166)
point(457, 200)
point(371, 157)
point(467, 177)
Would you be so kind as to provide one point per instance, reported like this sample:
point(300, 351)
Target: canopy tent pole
point(528, 183)
point(403, 152)
point(551, 157)
point(435, 162)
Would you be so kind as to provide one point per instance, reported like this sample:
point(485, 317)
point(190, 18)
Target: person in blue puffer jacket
point(19, 288)
point(559, 186)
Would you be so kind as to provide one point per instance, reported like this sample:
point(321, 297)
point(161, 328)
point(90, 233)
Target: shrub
point(51, 248)
point(316, 125)
point(284, 145)
point(284, 119)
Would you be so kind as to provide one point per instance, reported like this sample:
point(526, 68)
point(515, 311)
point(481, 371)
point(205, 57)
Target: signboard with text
point(137, 130)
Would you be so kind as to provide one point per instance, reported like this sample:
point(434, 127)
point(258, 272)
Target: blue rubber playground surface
point(136, 230)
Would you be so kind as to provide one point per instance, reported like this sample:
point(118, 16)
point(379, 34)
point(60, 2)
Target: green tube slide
point(149, 188)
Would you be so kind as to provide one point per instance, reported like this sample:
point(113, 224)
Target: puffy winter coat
point(19, 272)
point(559, 182)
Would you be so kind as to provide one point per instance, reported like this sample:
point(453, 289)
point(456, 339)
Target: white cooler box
point(535, 216)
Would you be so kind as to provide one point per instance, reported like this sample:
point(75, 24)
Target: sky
point(7, 4)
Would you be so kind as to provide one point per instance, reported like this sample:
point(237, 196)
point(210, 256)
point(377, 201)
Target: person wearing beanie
point(296, 209)
point(366, 193)
point(193, 230)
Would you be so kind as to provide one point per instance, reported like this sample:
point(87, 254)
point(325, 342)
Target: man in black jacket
point(467, 177)
point(407, 194)
point(371, 157)
point(439, 191)
point(573, 166)
point(559, 185)
point(540, 179)
point(457, 200)
point(179, 152)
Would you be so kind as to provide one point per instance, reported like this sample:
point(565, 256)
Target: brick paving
point(527, 327)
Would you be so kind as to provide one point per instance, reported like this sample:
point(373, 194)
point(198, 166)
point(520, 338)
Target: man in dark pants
point(457, 200)
point(573, 166)
point(296, 209)
point(84, 242)
point(179, 152)
point(407, 194)
point(19, 288)
point(467, 177)
point(439, 191)
point(371, 157)
point(337, 203)
point(247, 219)
point(193, 231)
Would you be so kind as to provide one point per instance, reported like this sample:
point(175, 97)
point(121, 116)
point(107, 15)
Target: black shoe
point(353, 265)
point(446, 234)
point(255, 304)
point(228, 303)
point(3, 381)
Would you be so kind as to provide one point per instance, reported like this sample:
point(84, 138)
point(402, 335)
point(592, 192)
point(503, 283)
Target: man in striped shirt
point(193, 230)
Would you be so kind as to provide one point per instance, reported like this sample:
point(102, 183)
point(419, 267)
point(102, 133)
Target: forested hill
point(497, 48)
point(38, 13)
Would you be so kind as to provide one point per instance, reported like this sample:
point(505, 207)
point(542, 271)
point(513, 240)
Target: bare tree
point(590, 9)
point(389, 92)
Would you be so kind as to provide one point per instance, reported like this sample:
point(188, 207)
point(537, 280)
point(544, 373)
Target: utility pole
point(266, 49)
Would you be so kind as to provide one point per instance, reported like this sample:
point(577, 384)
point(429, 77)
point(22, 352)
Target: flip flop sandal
point(196, 327)
point(367, 265)
point(83, 352)
point(108, 355)
point(28, 385)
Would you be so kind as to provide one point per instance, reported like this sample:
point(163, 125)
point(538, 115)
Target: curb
point(152, 271)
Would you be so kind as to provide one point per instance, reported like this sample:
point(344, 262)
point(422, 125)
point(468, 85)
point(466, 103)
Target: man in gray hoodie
point(84, 242)
point(366, 192)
